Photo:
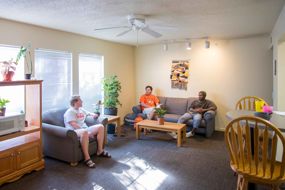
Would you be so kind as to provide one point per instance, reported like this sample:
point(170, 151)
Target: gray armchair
point(62, 143)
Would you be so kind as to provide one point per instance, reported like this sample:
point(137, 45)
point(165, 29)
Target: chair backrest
point(248, 103)
point(252, 144)
point(54, 116)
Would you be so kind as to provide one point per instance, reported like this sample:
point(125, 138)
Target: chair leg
point(242, 183)
point(73, 164)
point(275, 187)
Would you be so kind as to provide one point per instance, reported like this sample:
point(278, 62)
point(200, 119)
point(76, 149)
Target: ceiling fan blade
point(107, 28)
point(122, 33)
point(151, 32)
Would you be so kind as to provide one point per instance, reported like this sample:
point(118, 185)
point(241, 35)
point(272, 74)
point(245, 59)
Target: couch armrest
point(91, 121)
point(209, 117)
point(59, 131)
point(137, 109)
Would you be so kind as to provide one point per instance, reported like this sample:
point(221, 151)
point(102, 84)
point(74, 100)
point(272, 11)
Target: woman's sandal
point(90, 163)
point(105, 154)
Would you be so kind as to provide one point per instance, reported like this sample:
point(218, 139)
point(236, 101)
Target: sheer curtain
point(91, 72)
point(55, 68)
point(16, 93)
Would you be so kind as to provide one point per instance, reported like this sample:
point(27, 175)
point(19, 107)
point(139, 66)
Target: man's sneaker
point(190, 134)
point(173, 134)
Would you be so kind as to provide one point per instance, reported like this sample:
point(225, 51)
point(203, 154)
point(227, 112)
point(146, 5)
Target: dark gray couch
point(176, 107)
point(62, 143)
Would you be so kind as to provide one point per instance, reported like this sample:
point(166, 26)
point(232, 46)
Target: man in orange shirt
point(148, 102)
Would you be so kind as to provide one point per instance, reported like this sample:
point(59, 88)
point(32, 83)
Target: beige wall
point(281, 76)
point(278, 36)
point(227, 71)
point(118, 58)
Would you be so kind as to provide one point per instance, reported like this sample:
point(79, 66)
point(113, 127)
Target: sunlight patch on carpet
point(139, 174)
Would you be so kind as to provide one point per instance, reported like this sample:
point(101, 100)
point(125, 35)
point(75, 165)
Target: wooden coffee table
point(179, 128)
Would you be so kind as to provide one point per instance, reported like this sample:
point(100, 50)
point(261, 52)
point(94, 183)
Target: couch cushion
point(189, 101)
point(171, 117)
point(54, 117)
point(162, 100)
point(176, 105)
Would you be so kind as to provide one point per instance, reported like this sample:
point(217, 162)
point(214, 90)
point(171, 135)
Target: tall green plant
point(112, 88)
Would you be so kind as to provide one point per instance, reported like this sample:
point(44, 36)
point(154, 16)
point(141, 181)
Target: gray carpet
point(151, 163)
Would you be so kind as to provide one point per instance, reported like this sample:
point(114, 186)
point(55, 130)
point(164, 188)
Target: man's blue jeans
point(197, 117)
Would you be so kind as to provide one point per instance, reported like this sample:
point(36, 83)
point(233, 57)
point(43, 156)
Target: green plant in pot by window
point(3, 103)
point(112, 88)
point(160, 112)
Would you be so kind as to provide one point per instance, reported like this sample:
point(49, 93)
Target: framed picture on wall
point(179, 74)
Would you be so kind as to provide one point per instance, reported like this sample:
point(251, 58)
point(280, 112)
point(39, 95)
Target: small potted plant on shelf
point(98, 107)
point(29, 64)
point(160, 112)
point(3, 103)
point(112, 88)
point(8, 68)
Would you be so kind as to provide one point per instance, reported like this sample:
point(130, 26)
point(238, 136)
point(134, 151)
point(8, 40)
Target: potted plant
point(98, 107)
point(8, 68)
point(112, 88)
point(29, 65)
point(3, 103)
point(160, 112)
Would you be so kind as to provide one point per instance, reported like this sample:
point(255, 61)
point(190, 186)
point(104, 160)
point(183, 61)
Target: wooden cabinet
point(21, 152)
point(7, 163)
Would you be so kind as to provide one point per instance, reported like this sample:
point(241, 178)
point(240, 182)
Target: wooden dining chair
point(248, 103)
point(254, 158)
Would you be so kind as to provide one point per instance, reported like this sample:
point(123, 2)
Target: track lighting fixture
point(188, 45)
point(187, 42)
point(165, 47)
point(207, 44)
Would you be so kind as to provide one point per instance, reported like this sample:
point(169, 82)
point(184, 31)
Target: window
point(90, 76)
point(55, 68)
point(16, 93)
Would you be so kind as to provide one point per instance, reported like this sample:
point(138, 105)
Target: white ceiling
point(174, 19)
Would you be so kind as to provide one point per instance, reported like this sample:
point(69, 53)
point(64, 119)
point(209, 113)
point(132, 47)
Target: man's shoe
point(190, 134)
point(173, 134)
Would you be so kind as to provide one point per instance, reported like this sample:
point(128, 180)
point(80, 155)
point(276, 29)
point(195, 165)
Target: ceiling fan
point(136, 23)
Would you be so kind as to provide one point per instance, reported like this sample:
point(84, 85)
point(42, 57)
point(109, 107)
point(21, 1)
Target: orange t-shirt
point(149, 100)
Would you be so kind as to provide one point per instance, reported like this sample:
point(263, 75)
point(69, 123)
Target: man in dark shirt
point(196, 111)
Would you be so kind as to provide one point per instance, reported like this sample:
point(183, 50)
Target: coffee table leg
point(179, 138)
point(105, 135)
point(184, 134)
point(118, 127)
point(137, 131)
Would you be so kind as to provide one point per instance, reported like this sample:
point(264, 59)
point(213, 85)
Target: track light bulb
point(165, 47)
point(188, 45)
point(207, 44)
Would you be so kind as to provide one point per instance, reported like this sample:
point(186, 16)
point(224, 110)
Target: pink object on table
point(267, 109)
